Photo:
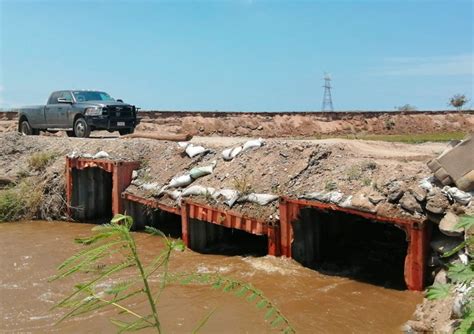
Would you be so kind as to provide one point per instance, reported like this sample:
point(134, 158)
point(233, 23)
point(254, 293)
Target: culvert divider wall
point(417, 235)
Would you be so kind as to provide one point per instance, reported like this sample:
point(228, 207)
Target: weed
point(366, 181)
point(330, 185)
point(368, 165)
point(242, 184)
point(389, 124)
point(354, 173)
point(20, 202)
point(39, 161)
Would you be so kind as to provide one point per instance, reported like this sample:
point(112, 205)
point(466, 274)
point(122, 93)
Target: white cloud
point(462, 64)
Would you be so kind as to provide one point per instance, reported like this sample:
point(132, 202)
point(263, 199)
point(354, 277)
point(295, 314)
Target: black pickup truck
point(78, 112)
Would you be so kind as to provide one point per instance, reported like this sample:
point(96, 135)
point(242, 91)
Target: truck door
point(56, 112)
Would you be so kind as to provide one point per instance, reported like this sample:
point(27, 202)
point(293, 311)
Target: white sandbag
point(193, 151)
point(231, 153)
point(252, 144)
point(183, 144)
point(198, 172)
point(198, 191)
point(87, 155)
point(101, 155)
point(457, 195)
point(329, 197)
point(180, 181)
point(150, 186)
point(260, 199)
point(134, 174)
point(230, 196)
point(426, 184)
point(173, 194)
point(347, 202)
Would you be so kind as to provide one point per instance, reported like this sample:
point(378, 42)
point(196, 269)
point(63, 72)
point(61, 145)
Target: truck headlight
point(93, 111)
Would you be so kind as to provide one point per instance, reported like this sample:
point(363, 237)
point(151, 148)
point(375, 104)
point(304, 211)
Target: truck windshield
point(82, 96)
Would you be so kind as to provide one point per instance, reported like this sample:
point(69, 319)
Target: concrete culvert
point(338, 243)
point(210, 238)
point(91, 195)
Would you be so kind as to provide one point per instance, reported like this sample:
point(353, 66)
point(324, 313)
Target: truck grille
point(120, 112)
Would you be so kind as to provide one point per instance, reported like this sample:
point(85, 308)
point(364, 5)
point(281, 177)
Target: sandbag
point(198, 172)
point(426, 184)
point(197, 191)
point(231, 153)
point(180, 181)
point(183, 144)
point(174, 194)
point(252, 144)
point(193, 151)
point(330, 197)
point(101, 155)
point(457, 195)
point(150, 186)
point(260, 199)
point(230, 196)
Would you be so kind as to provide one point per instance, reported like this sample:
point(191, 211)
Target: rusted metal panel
point(151, 203)
point(227, 218)
point(417, 232)
point(121, 178)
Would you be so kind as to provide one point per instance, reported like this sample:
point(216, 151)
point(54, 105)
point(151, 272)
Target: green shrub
point(39, 161)
point(20, 202)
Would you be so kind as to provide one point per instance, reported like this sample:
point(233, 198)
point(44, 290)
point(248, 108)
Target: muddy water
point(313, 302)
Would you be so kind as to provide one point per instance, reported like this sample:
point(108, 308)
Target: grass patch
point(20, 202)
point(404, 138)
point(39, 161)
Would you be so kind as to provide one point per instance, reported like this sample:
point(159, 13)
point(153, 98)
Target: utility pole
point(327, 99)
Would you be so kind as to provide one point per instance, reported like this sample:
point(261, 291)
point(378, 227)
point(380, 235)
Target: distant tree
point(458, 101)
point(406, 107)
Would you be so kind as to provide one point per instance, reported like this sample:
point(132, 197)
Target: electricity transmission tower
point(327, 99)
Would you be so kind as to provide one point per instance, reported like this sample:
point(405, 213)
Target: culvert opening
point(91, 200)
point(338, 243)
point(166, 222)
point(211, 238)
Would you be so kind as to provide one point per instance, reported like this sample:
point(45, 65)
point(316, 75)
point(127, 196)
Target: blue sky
point(239, 55)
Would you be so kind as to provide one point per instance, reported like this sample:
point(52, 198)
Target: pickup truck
point(78, 112)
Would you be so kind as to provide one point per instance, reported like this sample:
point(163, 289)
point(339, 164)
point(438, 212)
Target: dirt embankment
point(269, 125)
point(308, 124)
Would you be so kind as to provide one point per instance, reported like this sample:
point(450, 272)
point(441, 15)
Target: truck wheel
point(70, 134)
point(27, 130)
point(124, 132)
point(81, 128)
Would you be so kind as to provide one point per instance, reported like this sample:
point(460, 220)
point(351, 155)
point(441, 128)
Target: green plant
point(330, 185)
point(354, 173)
point(40, 160)
point(459, 274)
point(366, 181)
point(20, 201)
point(242, 184)
point(114, 241)
point(389, 124)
